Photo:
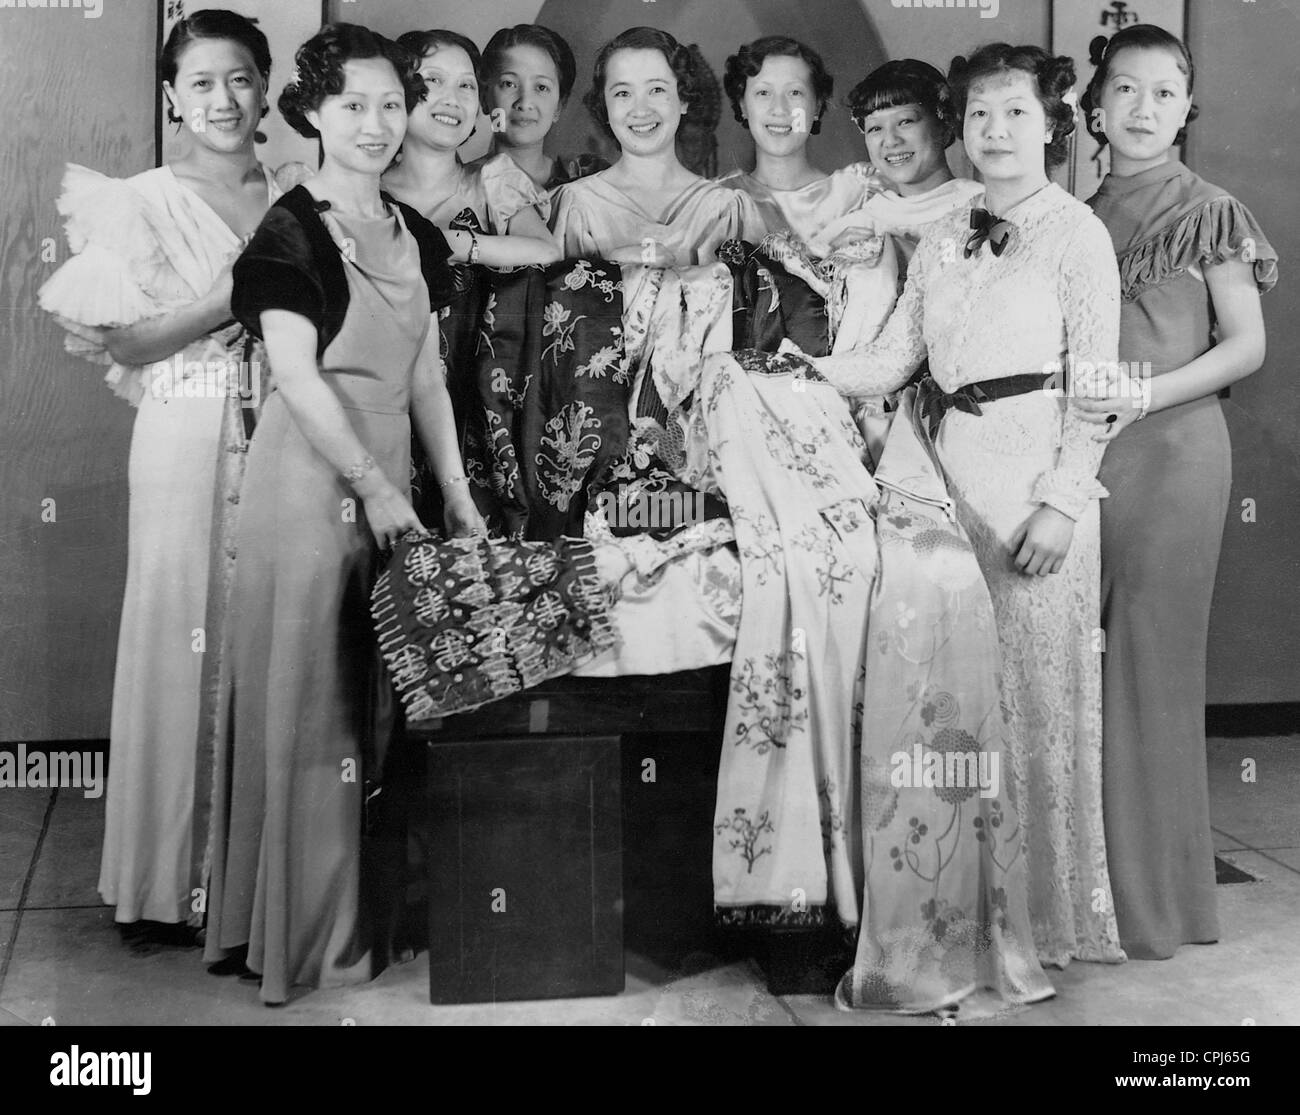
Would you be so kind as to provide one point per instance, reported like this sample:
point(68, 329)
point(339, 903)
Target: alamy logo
point(77, 770)
point(90, 9)
point(121, 1070)
point(956, 769)
point(988, 8)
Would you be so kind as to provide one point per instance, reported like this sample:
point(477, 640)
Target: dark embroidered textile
point(549, 396)
point(466, 621)
point(769, 305)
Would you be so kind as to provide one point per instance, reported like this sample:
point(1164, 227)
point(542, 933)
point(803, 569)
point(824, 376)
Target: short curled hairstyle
point(905, 81)
point(318, 70)
point(1143, 36)
point(213, 23)
point(420, 43)
point(641, 38)
point(749, 59)
point(1053, 77)
point(539, 38)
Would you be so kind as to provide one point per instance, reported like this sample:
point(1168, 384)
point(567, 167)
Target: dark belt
point(933, 402)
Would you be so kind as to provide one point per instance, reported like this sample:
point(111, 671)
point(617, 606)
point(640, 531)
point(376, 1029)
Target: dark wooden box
point(525, 869)
point(525, 797)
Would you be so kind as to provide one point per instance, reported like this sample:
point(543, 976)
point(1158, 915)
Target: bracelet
point(1146, 403)
point(454, 480)
point(473, 246)
point(357, 471)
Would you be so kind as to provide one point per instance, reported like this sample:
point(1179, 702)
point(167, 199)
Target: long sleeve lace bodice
point(1050, 301)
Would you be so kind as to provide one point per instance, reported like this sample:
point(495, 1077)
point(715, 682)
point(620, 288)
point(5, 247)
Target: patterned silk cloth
point(862, 780)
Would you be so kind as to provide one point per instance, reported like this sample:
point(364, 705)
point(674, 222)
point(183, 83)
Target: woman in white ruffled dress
point(147, 292)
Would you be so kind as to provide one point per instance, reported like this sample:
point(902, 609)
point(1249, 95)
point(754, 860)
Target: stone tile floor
point(61, 958)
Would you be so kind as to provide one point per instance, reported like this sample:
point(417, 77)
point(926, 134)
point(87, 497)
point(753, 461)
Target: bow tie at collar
point(985, 226)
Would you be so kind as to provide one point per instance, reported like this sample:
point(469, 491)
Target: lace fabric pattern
point(1052, 295)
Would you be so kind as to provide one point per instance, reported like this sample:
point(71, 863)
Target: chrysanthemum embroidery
point(600, 363)
point(569, 453)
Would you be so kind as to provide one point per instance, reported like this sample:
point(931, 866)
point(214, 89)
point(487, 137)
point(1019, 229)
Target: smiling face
point(780, 105)
point(1144, 103)
point(642, 102)
point(362, 127)
point(524, 96)
point(446, 116)
point(906, 145)
point(1005, 129)
point(218, 93)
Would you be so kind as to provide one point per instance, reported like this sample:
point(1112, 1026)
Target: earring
point(816, 128)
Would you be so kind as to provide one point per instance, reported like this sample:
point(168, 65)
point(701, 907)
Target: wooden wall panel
point(63, 435)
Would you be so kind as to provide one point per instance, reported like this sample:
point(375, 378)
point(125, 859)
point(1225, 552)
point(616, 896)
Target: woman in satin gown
point(339, 280)
point(147, 293)
point(648, 208)
point(1193, 262)
point(779, 90)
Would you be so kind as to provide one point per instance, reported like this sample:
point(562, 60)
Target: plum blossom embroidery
point(743, 835)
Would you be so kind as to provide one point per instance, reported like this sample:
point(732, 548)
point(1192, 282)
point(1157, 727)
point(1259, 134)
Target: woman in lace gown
point(648, 208)
point(528, 75)
point(999, 304)
point(1193, 263)
point(148, 294)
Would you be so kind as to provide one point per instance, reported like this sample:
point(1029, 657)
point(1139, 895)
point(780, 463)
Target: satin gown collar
point(1113, 185)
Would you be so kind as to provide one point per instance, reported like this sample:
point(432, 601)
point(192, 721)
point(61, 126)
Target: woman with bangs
point(528, 73)
point(648, 208)
point(492, 210)
point(905, 113)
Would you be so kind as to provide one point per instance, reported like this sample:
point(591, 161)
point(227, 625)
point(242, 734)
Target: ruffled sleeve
point(508, 190)
point(101, 286)
point(1089, 294)
point(1216, 231)
point(276, 272)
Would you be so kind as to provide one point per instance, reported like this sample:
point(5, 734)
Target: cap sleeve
point(508, 190)
point(570, 225)
point(1219, 230)
point(276, 272)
